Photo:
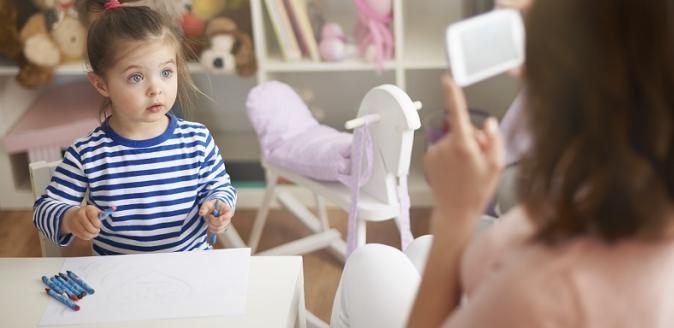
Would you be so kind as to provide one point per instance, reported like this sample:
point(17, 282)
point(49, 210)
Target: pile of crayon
point(67, 288)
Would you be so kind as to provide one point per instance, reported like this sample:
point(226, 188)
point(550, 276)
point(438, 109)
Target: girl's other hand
point(82, 222)
point(216, 224)
point(463, 167)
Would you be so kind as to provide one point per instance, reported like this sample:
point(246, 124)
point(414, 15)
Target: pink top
point(511, 282)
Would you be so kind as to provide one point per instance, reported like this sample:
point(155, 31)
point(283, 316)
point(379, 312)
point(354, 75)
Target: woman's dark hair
point(600, 108)
point(134, 23)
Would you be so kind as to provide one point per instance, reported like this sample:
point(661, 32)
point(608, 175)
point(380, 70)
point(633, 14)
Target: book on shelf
point(284, 32)
point(299, 19)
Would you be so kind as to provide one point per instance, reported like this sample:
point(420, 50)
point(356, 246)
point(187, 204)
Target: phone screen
point(485, 45)
point(478, 39)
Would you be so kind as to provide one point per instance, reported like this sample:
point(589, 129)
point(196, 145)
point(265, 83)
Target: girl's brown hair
point(600, 108)
point(134, 23)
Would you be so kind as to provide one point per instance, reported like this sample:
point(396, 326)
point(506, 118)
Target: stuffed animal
point(49, 37)
point(372, 34)
point(62, 8)
point(198, 13)
point(230, 49)
point(207, 9)
point(192, 25)
point(333, 43)
point(12, 48)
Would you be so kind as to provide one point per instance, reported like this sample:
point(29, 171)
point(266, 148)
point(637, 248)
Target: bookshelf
point(336, 89)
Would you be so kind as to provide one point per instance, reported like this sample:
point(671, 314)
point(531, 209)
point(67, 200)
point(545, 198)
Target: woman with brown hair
point(592, 242)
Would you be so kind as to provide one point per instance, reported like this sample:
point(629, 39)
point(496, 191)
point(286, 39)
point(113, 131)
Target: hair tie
point(112, 4)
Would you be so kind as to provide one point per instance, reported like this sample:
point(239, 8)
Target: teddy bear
point(49, 37)
point(46, 39)
point(230, 49)
point(12, 48)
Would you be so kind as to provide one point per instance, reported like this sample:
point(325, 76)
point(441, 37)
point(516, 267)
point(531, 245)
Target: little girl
point(159, 172)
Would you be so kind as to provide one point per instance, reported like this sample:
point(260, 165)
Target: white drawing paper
point(156, 286)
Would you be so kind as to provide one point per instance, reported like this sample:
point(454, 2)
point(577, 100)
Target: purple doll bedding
point(291, 138)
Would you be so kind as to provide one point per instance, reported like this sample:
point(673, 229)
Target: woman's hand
point(216, 224)
point(463, 167)
point(82, 222)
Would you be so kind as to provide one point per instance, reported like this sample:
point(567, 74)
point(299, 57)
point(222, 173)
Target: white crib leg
point(322, 213)
point(262, 213)
point(338, 248)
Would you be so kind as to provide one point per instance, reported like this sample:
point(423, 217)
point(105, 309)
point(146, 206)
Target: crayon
point(74, 285)
point(68, 289)
point(52, 285)
point(104, 215)
point(214, 237)
point(80, 282)
point(62, 299)
point(68, 292)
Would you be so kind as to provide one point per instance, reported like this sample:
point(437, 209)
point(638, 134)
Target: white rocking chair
point(394, 118)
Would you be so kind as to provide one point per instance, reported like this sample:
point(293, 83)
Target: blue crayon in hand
point(104, 215)
point(62, 299)
point(80, 282)
point(216, 213)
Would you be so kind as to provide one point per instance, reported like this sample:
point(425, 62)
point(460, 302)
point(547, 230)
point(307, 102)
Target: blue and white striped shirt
point(157, 184)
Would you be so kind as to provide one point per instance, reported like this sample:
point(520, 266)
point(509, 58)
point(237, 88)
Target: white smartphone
point(485, 45)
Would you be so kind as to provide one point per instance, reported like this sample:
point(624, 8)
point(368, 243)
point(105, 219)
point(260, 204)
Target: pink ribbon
point(360, 174)
point(112, 4)
point(362, 143)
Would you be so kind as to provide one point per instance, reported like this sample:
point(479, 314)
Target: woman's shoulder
point(585, 269)
point(510, 231)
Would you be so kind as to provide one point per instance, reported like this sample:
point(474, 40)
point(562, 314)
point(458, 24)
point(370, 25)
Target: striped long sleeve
point(66, 190)
point(157, 186)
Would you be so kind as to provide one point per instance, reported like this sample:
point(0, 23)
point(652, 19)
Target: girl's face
point(142, 85)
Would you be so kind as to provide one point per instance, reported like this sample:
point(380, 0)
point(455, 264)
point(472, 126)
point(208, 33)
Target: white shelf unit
point(337, 89)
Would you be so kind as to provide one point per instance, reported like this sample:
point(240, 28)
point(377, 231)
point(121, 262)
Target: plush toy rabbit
point(372, 34)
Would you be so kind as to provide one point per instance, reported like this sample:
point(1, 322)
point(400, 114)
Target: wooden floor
point(18, 238)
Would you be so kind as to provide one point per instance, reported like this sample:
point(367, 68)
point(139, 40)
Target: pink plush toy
point(333, 42)
point(372, 33)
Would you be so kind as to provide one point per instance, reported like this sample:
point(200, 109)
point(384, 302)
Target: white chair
point(394, 118)
point(40, 176)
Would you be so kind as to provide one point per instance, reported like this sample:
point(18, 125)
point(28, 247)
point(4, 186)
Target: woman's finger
point(459, 121)
point(494, 144)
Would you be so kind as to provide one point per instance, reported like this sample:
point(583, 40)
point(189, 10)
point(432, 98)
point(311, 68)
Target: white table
point(275, 295)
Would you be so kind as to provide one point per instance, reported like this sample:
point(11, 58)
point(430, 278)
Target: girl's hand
point(463, 167)
point(82, 222)
point(216, 224)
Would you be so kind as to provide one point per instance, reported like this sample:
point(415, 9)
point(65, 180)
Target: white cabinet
point(335, 89)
